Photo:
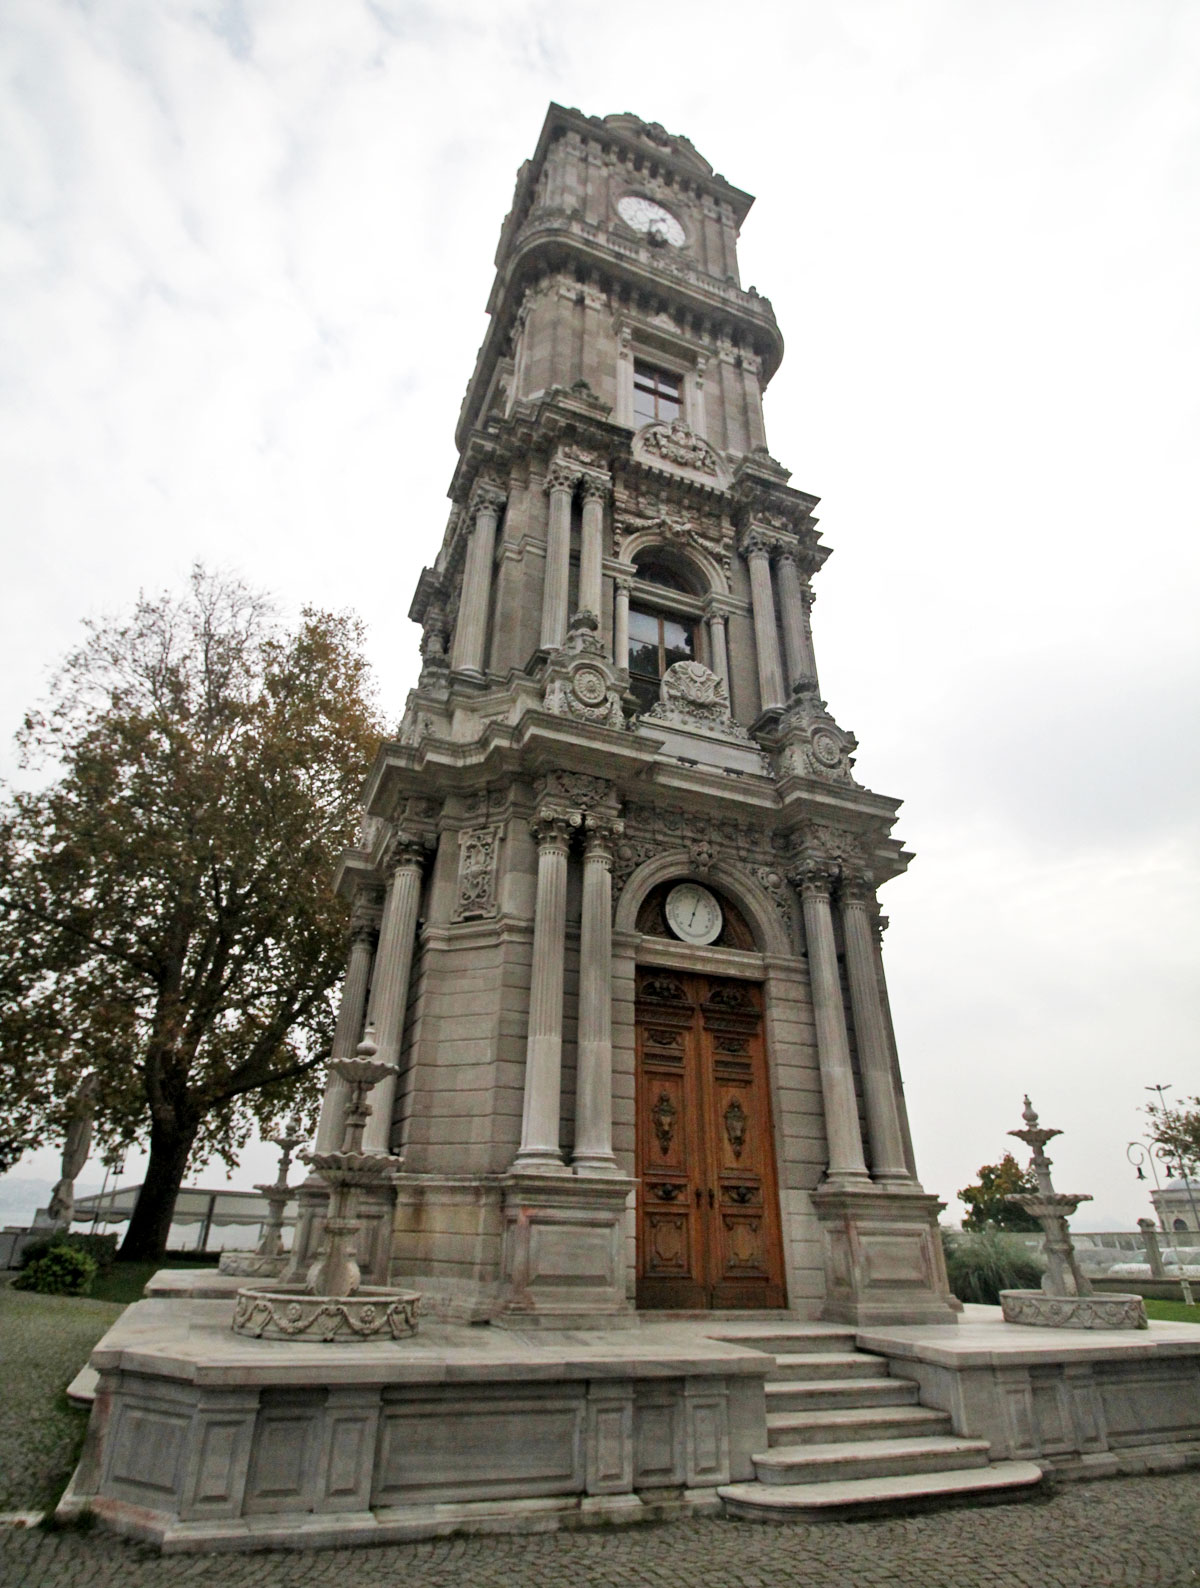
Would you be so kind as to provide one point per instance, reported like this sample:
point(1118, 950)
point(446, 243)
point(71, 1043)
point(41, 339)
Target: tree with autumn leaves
point(166, 915)
point(987, 1201)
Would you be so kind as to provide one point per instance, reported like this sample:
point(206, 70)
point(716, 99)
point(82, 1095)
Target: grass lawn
point(44, 1341)
point(124, 1282)
point(1172, 1312)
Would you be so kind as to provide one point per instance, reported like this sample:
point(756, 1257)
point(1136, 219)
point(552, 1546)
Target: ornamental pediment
point(671, 444)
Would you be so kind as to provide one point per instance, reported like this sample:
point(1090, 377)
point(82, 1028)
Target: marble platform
point(202, 1439)
point(1080, 1402)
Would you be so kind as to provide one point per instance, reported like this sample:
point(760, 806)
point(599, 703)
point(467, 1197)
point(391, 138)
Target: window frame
point(677, 376)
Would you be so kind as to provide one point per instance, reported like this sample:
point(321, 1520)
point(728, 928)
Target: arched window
point(662, 629)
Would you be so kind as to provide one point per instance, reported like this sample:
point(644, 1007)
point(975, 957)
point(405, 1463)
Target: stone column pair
point(847, 1164)
point(758, 548)
point(561, 480)
point(391, 964)
point(540, 1151)
point(474, 608)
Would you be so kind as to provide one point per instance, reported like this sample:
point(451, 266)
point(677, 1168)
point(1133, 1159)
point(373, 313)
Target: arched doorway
point(708, 1231)
point(707, 1228)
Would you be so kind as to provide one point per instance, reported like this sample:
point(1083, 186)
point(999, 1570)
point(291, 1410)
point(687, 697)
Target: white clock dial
point(644, 215)
point(693, 914)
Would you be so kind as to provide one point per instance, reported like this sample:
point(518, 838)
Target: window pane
point(643, 406)
point(643, 659)
point(677, 642)
point(668, 407)
point(643, 626)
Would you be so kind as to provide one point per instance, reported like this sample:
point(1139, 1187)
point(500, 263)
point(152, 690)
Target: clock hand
point(692, 917)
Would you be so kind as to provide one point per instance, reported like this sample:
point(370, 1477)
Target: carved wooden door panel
point(745, 1256)
point(708, 1206)
point(671, 1166)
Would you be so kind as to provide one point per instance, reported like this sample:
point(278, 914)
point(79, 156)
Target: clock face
point(644, 215)
point(693, 914)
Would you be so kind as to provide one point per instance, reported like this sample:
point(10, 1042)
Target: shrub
point(101, 1248)
point(62, 1271)
point(981, 1264)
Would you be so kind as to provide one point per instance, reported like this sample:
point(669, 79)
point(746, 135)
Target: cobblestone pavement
point(1124, 1533)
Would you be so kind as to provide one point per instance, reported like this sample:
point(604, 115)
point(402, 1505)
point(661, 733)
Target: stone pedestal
point(883, 1257)
point(564, 1249)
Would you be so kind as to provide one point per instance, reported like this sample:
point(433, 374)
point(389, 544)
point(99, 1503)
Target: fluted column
point(847, 1166)
point(878, 926)
point(346, 1033)
point(757, 550)
point(795, 600)
point(870, 1031)
point(560, 483)
point(470, 632)
point(591, 542)
point(539, 1151)
point(622, 585)
point(593, 1081)
point(389, 991)
point(718, 649)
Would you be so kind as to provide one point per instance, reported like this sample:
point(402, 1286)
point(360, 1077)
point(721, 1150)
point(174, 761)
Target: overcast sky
point(245, 252)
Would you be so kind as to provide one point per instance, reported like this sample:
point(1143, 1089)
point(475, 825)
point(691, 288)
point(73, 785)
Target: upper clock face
point(644, 215)
point(693, 913)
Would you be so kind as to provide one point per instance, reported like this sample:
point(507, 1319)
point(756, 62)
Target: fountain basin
point(250, 1265)
point(1036, 1308)
point(371, 1313)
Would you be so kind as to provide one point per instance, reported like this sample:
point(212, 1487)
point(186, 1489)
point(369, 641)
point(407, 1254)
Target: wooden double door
point(708, 1197)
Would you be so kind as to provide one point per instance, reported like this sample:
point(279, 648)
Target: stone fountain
point(1066, 1299)
point(269, 1260)
point(333, 1304)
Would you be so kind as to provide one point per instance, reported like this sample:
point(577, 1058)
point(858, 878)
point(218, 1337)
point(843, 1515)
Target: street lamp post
point(1138, 1154)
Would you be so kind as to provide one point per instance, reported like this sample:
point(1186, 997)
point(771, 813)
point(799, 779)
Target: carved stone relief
point(692, 696)
point(651, 829)
point(478, 853)
point(812, 744)
point(675, 442)
point(580, 681)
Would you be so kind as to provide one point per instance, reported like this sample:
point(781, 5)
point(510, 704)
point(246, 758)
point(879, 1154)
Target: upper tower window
point(657, 394)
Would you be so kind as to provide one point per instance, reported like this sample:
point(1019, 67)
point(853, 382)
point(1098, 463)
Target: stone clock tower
point(615, 915)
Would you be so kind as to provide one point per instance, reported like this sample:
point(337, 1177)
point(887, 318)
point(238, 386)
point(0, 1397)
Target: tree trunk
point(146, 1238)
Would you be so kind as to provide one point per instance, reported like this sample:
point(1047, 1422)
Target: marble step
point(869, 1458)
point(824, 1365)
point(854, 1422)
point(824, 1394)
point(781, 1341)
point(818, 1502)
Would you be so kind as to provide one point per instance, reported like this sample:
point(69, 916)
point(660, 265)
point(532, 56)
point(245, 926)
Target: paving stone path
point(1126, 1533)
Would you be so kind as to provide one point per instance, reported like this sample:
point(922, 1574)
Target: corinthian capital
point(754, 541)
point(408, 849)
point(857, 886)
point(486, 498)
point(562, 476)
point(552, 829)
point(600, 832)
point(596, 487)
point(815, 876)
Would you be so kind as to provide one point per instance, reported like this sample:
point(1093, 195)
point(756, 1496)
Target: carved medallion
point(663, 1114)
point(736, 1119)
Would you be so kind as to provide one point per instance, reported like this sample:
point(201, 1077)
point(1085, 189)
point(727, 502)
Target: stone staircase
point(845, 1439)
